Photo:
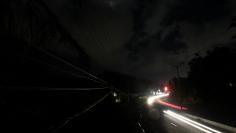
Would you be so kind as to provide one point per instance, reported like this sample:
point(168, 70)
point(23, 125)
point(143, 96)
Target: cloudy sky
point(146, 38)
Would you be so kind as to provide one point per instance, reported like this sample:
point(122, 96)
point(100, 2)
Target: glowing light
point(149, 101)
point(191, 122)
point(152, 99)
point(117, 100)
point(114, 94)
point(165, 88)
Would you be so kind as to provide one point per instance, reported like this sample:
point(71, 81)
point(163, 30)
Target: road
point(173, 125)
point(168, 118)
point(172, 122)
point(177, 125)
point(49, 109)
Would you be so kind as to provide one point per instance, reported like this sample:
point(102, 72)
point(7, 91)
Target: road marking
point(143, 130)
point(139, 124)
point(141, 127)
point(173, 124)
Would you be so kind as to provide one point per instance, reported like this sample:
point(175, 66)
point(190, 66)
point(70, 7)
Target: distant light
point(114, 94)
point(195, 124)
point(117, 100)
point(149, 101)
point(153, 92)
point(165, 88)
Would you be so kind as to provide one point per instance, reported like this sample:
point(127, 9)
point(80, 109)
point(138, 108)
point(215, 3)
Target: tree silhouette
point(233, 25)
point(211, 75)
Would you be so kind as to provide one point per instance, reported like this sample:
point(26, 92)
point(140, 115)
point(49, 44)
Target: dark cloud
point(164, 32)
point(173, 42)
point(197, 11)
point(140, 42)
point(142, 10)
point(146, 49)
point(145, 38)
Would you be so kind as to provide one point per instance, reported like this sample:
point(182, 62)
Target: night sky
point(146, 38)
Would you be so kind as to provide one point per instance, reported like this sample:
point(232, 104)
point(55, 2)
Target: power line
point(68, 63)
point(23, 88)
point(63, 31)
point(60, 27)
point(68, 119)
point(64, 71)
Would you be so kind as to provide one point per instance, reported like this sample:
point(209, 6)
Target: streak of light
point(199, 124)
point(152, 99)
point(182, 118)
point(172, 105)
point(189, 123)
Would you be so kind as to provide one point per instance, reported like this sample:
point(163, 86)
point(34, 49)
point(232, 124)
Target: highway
point(170, 119)
point(167, 123)
point(175, 124)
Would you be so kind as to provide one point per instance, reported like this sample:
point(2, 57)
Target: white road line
point(173, 124)
point(143, 130)
point(139, 124)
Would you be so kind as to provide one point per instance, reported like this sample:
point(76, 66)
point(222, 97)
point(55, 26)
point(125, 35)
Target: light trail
point(189, 123)
point(152, 99)
point(172, 105)
point(199, 124)
point(195, 124)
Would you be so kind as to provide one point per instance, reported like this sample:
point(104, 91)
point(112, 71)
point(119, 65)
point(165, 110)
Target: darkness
point(89, 66)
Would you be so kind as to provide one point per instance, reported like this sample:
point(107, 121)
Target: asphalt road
point(46, 110)
point(166, 117)
point(174, 122)
point(173, 125)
